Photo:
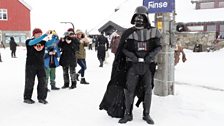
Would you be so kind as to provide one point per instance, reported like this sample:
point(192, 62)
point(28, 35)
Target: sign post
point(164, 77)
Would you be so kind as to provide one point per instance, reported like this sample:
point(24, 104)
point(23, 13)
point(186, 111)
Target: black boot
point(101, 63)
point(77, 77)
point(66, 85)
point(73, 85)
point(83, 81)
point(53, 87)
point(148, 119)
point(127, 117)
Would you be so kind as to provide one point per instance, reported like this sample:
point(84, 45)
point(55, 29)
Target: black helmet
point(141, 10)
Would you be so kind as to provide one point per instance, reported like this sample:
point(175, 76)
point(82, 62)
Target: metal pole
point(164, 77)
point(69, 23)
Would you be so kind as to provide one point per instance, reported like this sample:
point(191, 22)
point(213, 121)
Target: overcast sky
point(47, 14)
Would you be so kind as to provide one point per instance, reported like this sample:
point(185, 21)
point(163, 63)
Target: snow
point(193, 104)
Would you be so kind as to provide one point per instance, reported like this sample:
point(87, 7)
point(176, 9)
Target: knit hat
point(37, 30)
point(70, 30)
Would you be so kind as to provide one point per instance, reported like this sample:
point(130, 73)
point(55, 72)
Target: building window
point(208, 5)
point(211, 28)
point(221, 32)
point(195, 28)
point(3, 14)
point(221, 4)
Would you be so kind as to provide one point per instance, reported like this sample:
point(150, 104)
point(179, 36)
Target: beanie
point(70, 30)
point(37, 30)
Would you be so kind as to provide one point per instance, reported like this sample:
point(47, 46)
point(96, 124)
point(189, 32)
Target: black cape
point(114, 99)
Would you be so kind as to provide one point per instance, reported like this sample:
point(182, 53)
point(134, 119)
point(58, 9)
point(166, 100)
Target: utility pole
point(164, 78)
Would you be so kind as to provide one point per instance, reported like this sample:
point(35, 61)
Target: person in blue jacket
point(51, 56)
point(35, 66)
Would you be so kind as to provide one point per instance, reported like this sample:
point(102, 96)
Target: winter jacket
point(114, 43)
point(68, 57)
point(12, 44)
point(51, 61)
point(35, 56)
point(81, 54)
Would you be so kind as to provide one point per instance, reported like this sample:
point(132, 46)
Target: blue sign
point(159, 6)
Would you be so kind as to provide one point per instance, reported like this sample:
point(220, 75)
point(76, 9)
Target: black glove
point(134, 59)
point(148, 59)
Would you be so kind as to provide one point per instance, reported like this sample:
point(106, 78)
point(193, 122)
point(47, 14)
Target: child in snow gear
point(50, 63)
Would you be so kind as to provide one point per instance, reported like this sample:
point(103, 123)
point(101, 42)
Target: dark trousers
point(71, 70)
point(0, 58)
point(31, 72)
point(13, 53)
point(82, 64)
point(137, 71)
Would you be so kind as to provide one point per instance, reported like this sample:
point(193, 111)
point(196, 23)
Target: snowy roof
point(25, 4)
point(185, 10)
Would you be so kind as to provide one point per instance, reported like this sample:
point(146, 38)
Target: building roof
point(25, 4)
point(110, 26)
point(185, 10)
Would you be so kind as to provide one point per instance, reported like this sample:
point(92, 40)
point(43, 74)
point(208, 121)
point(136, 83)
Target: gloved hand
point(148, 59)
point(134, 59)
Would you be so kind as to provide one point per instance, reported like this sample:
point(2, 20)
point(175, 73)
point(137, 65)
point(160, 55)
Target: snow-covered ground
point(198, 99)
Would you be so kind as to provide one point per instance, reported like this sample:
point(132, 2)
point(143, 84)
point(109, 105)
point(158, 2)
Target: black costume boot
point(146, 110)
point(83, 81)
point(147, 118)
point(66, 85)
point(29, 101)
point(127, 117)
point(101, 63)
point(73, 85)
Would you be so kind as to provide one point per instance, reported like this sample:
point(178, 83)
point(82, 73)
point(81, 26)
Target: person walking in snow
point(35, 66)
point(81, 55)
point(13, 46)
point(101, 46)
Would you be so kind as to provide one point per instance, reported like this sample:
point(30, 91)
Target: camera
point(53, 32)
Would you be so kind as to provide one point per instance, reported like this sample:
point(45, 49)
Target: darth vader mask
point(139, 21)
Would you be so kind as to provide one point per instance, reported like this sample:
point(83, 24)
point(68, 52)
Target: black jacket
point(68, 57)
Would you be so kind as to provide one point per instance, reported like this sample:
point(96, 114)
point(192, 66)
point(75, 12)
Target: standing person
point(114, 43)
point(179, 50)
point(81, 55)
point(69, 46)
point(0, 52)
point(102, 46)
point(35, 66)
point(51, 56)
point(13, 45)
point(90, 43)
point(133, 69)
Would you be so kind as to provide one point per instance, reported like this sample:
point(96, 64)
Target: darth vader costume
point(133, 69)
